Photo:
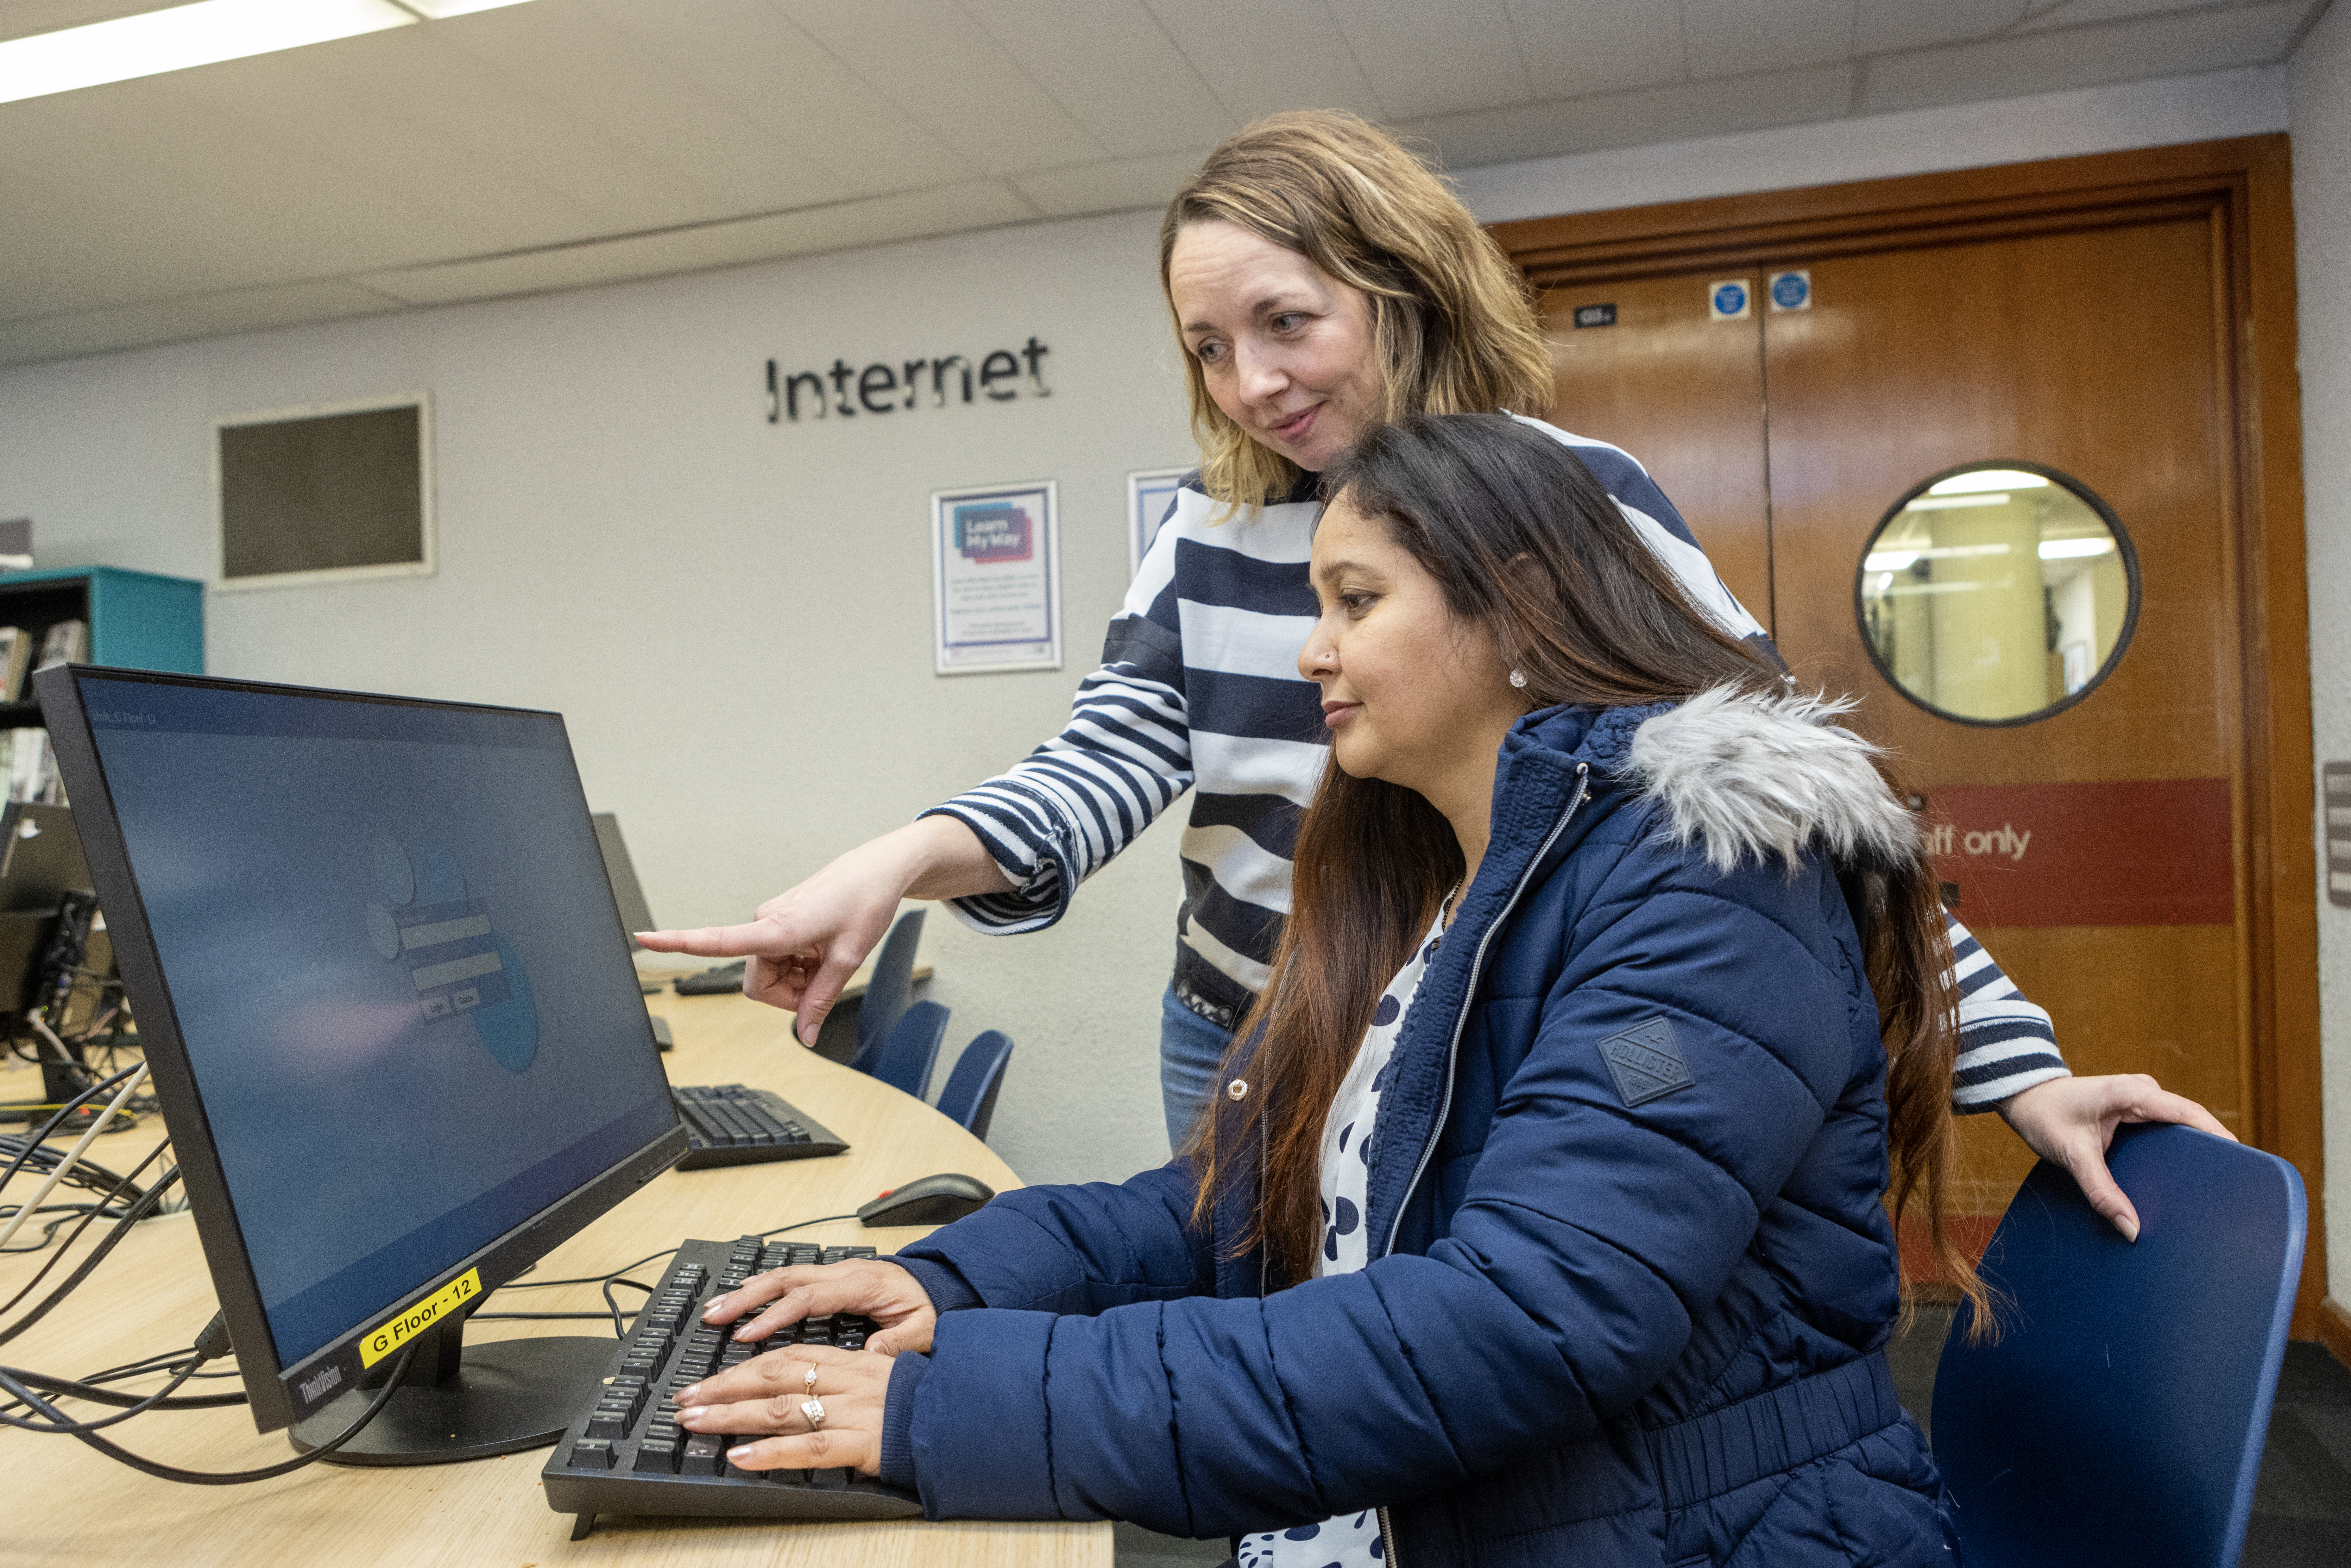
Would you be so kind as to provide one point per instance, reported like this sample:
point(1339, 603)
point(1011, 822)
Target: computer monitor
point(392, 1024)
point(621, 871)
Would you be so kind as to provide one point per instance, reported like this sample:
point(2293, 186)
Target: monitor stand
point(467, 1402)
point(63, 1076)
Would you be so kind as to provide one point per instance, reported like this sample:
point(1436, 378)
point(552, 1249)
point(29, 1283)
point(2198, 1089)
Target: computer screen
point(394, 1026)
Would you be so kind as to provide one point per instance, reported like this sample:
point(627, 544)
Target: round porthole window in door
point(1998, 593)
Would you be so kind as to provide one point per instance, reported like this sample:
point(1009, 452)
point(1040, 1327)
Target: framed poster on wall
point(1149, 493)
point(996, 578)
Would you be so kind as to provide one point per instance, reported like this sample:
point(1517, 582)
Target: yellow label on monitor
point(420, 1317)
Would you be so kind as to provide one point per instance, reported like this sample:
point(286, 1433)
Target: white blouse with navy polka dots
point(1349, 1541)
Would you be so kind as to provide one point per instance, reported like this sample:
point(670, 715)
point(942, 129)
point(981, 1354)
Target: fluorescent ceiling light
point(201, 34)
point(1889, 561)
point(2074, 549)
point(1930, 502)
point(1988, 479)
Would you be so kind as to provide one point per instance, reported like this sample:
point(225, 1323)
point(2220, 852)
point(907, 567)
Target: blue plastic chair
point(2120, 1416)
point(890, 990)
point(903, 1059)
point(969, 1098)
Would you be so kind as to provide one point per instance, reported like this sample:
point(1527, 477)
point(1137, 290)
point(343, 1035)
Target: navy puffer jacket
point(1631, 1277)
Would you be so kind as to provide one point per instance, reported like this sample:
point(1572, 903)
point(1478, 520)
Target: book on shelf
point(16, 658)
point(33, 767)
point(66, 643)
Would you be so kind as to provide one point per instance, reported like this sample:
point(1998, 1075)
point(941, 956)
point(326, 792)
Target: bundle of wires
point(28, 1398)
point(115, 1193)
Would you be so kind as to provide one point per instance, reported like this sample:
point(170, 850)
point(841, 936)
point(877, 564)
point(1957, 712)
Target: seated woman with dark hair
point(1540, 1217)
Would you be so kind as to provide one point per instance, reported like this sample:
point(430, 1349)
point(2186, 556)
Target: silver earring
point(1519, 678)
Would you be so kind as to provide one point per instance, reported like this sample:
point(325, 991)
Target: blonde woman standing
point(1322, 281)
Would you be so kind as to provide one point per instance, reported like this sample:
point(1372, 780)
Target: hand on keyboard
point(765, 1395)
point(869, 1287)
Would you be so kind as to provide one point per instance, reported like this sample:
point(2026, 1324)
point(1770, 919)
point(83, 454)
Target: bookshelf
point(137, 620)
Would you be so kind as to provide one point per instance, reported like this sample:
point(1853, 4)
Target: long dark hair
point(1524, 543)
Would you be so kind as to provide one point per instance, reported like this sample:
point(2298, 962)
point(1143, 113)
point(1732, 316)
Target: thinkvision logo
point(333, 1377)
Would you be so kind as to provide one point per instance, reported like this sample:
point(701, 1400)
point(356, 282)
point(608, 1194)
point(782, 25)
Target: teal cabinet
point(137, 620)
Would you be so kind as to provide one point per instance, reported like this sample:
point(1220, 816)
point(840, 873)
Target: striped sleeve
point(2006, 1043)
point(1125, 755)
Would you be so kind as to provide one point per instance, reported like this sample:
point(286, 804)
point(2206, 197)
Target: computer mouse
point(934, 1200)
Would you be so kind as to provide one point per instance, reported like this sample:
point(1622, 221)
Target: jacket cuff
point(940, 1281)
point(898, 1419)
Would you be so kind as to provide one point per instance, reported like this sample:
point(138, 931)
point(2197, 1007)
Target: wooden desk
point(63, 1503)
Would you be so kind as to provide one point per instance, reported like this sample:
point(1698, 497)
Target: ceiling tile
point(512, 132)
point(2073, 13)
point(1425, 60)
point(1734, 37)
point(1109, 63)
point(1884, 25)
point(22, 19)
point(1259, 55)
point(2047, 62)
point(419, 169)
point(122, 168)
point(1650, 114)
point(338, 200)
point(944, 72)
point(1574, 47)
point(1109, 187)
point(173, 320)
point(875, 219)
point(59, 252)
point(571, 56)
point(781, 79)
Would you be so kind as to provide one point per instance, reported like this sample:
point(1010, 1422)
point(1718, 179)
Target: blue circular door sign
point(1791, 289)
point(1731, 300)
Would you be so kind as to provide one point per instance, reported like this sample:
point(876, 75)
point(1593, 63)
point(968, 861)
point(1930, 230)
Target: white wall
point(734, 617)
point(2321, 88)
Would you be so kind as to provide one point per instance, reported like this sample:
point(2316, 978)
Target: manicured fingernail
point(741, 1456)
point(692, 1396)
point(690, 1413)
point(2129, 1228)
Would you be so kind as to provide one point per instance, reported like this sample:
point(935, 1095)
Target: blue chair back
point(969, 1097)
point(891, 989)
point(903, 1059)
point(2120, 1416)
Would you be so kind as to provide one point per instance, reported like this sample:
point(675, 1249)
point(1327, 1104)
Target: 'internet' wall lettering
point(885, 387)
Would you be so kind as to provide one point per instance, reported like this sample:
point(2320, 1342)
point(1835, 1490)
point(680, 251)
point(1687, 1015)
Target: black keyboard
point(626, 1453)
point(710, 982)
point(734, 1124)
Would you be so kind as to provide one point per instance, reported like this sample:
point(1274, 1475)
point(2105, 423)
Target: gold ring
point(808, 1383)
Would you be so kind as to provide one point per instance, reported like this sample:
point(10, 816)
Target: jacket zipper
point(1452, 1053)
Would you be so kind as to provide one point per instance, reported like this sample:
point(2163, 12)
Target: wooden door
point(1650, 370)
point(2101, 319)
point(2096, 354)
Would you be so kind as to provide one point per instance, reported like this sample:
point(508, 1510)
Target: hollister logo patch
point(1647, 1061)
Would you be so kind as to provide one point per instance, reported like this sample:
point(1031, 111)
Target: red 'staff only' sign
point(2150, 852)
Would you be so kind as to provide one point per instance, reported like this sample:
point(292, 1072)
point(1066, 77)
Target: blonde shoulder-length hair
point(1452, 320)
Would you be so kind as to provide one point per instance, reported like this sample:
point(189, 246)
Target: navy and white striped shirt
point(1199, 689)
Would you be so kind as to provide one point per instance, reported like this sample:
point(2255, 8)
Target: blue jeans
point(1191, 1049)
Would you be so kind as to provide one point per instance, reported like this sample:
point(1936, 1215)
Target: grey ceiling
point(566, 142)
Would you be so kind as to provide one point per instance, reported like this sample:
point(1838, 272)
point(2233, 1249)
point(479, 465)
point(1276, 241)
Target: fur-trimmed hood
point(1746, 773)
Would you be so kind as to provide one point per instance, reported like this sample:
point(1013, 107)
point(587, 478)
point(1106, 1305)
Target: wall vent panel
point(324, 493)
